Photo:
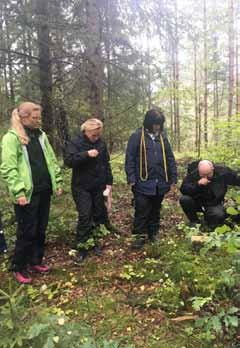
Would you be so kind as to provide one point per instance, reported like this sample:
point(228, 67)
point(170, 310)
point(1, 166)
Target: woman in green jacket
point(31, 172)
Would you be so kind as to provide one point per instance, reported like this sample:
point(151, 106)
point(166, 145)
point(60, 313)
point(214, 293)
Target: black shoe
point(97, 250)
point(81, 256)
point(138, 244)
point(154, 237)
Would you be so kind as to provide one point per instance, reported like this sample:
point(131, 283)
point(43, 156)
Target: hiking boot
point(97, 250)
point(39, 268)
point(137, 243)
point(81, 256)
point(154, 237)
point(22, 277)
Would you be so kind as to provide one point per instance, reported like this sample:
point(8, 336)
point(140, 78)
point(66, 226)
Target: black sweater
point(40, 174)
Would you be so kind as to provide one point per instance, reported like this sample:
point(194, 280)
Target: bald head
point(205, 169)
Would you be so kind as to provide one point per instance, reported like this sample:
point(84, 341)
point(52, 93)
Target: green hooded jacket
point(15, 167)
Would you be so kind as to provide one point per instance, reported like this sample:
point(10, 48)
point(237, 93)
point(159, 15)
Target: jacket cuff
point(19, 194)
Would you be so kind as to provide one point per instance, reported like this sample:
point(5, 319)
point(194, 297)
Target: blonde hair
point(24, 110)
point(91, 124)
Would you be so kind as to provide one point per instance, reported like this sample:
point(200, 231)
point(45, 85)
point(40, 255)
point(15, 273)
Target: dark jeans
point(91, 212)
point(32, 221)
point(3, 244)
point(147, 214)
point(214, 215)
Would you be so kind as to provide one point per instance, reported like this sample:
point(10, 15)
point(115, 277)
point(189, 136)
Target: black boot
point(154, 237)
point(97, 250)
point(82, 255)
point(138, 242)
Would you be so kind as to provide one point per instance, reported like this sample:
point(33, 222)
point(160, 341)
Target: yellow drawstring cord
point(143, 149)
point(164, 157)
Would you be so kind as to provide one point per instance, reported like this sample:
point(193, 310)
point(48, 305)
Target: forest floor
point(167, 295)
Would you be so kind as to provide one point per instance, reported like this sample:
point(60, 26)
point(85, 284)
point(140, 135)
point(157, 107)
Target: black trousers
point(91, 212)
point(214, 215)
point(3, 244)
point(147, 213)
point(32, 221)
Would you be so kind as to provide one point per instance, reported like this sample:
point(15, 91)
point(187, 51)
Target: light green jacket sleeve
point(9, 165)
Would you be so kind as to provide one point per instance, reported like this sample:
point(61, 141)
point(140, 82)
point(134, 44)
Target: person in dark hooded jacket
point(89, 159)
point(203, 190)
point(151, 170)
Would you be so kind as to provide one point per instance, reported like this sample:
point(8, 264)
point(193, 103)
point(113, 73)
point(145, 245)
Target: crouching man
point(204, 189)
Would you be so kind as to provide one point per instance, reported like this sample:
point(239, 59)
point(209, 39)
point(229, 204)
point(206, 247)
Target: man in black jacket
point(151, 170)
point(88, 157)
point(204, 189)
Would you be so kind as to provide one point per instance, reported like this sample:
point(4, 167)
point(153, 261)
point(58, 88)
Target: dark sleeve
point(74, 158)
point(1, 225)
point(231, 177)
point(130, 159)
point(171, 163)
point(189, 187)
point(108, 167)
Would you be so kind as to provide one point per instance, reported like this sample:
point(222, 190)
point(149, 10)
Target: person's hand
point(59, 192)
point(22, 201)
point(93, 153)
point(203, 182)
point(109, 187)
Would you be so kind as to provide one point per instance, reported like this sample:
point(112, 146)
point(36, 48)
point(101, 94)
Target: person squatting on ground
point(151, 170)
point(89, 159)
point(204, 189)
point(31, 172)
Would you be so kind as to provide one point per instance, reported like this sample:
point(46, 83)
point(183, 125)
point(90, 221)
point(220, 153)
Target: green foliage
point(21, 328)
point(97, 234)
point(223, 323)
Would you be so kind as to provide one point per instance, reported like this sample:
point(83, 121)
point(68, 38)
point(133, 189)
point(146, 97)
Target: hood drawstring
point(164, 157)
point(143, 157)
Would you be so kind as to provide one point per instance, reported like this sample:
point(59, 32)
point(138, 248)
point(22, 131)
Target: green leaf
point(237, 199)
point(232, 310)
point(232, 211)
point(222, 229)
point(49, 343)
point(216, 324)
point(36, 329)
point(232, 321)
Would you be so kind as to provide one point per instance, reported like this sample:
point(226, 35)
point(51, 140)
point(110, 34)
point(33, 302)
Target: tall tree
point(230, 58)
point(42, 11)
point(205, 74)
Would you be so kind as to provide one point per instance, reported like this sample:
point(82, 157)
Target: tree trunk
point(176, 60)
point(237, 79)
point(9, 60)
point(205, 75)
point(61, 120)
point(231, 59)
point(45, 67)
point(94, 58)
point(196, 98)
